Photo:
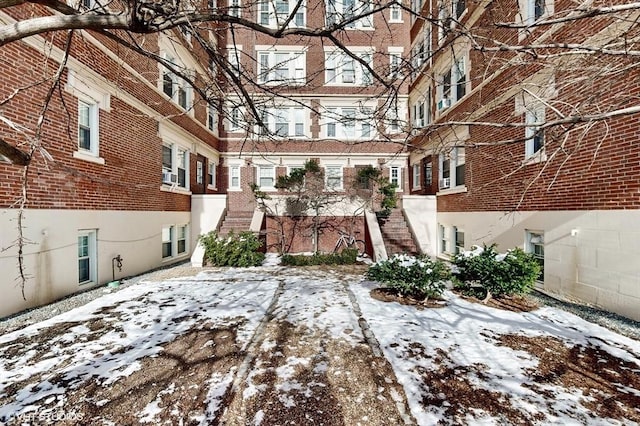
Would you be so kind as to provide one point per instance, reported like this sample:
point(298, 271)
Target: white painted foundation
point(590, 256)
point(51, 256)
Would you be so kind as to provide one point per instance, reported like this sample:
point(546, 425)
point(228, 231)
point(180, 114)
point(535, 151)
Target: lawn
point(310, 346)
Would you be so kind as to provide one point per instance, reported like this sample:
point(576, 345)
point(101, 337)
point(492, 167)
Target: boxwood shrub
point(240, 250)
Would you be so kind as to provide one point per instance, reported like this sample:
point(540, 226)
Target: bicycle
point(349, 241)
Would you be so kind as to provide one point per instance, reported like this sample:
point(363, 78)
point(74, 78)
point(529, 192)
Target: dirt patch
point(451, 388)
point(385, 294)
point(515, 303)
point(604, 380)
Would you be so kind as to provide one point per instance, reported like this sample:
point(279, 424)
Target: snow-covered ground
point(45, 365)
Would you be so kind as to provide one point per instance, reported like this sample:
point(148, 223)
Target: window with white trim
point(199, 172)
point(88, 128)
point(427, 175)
point(535, 246)
point(275, 13)
point(235, 8)
point(452, 168)
point(182, 240)
point(443, 247)
point(175, 240)
point(211, 174)
point(87, 257)
point(533, 10)
point(212, 117)
point(342, 69)
point(416, 176)
point(395, 64)
point(175, 166)
point(234, 177)
point(266, 177)
point(421, 51)
point(284, 122)
point(235, 119)
point(349, 123)
point(458, 238)
point(167, 241)
point(534, 117)
point(342, 10)
point(176, 87)
point(394, 121)
point(395, 13)
point(421, 111)
point(276, 67)
point(452, 84)
point(233, 58)
point(333, 178)
point(395, 177)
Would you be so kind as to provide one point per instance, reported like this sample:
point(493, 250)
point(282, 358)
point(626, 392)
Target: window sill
point(86, 156)
point(538, 157)
point(213, 188)
point(455, 190)
point(87, 283)
point(175, 258)
point(400, 21)
point(234, 189)
point(175, 189)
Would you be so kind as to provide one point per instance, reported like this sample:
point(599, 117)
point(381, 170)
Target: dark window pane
point(84, 137)
point(167, 84)
point(83, 270)
point(166, 250)
point(460, 174)
point(166, 157)
point(182, 178)
point(182, 246)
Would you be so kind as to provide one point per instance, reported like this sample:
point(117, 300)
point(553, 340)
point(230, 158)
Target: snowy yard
point(302, 346)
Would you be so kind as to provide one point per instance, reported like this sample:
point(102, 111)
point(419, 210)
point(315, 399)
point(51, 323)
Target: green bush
point(235, 250)
point(496, 274)
point(345, 257)
point(420, 278)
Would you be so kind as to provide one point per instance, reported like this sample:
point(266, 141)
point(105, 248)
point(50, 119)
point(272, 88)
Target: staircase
point(396, 234)
point(238, 221)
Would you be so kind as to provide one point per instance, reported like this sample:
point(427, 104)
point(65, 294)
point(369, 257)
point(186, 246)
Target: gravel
point(625, 326)
point(621, 325)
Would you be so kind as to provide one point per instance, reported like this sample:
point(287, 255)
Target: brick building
point(501, 171)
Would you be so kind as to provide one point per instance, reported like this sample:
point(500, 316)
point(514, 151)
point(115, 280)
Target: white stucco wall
point(420, 212)
point(591, 256)
point(206, 212)
point(51, 256)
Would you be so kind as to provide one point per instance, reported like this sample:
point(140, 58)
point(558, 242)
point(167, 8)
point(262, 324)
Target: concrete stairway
point(238, 221)
point(396, 234)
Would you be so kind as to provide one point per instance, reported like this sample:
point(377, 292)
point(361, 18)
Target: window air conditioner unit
point(444, 103)
point(170, 178)
point(445, 183)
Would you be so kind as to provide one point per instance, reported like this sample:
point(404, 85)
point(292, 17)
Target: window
point(344, 10)
point(444, 19)
point(395, 13)
point(395, 64)
point(233, 58)
point(284, 122)
point(534, 117)
point(212, 118)
point(234, 8)
point(454, 161)
point(333, 177)
point(87, 257)
point(341, 68)
point(167, 241)
point(235, 120)
point(88, 127)
point(458, 8)
point(182, 239)
point(266, 177)
point(282, 67)
point(393, 119)
point(176, 87)
point(211, 174)
point(421, 111)
point(452, 85)
point(421, 50)
point(416, 176)
point(458, 235)
point(276, 13)
point(199, 172)
point(234, 177)
point(213, 4)
point(349, 123)
point(535, 246)
point(395, 177)
point(444, 240)
point(427, 176)
point(174, 240)
point(175, 165)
